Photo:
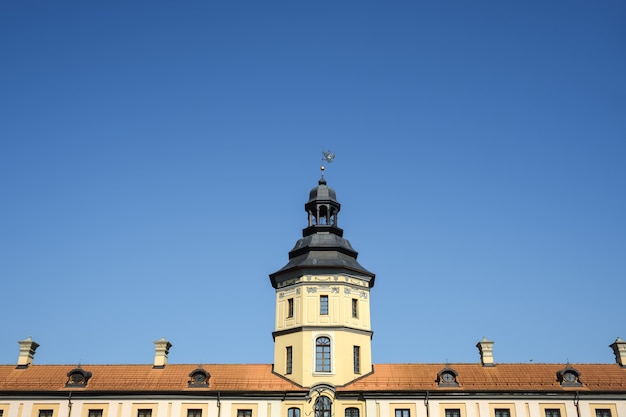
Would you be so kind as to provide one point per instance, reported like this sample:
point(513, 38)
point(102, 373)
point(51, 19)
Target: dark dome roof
point(322, 192)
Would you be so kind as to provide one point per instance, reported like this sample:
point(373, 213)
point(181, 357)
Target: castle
point(322, 364)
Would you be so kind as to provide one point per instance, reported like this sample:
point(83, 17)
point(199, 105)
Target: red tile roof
point(259, 378)
point(502, 377)
point(144, 378)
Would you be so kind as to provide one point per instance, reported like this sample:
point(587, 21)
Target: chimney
point(619, 348)
point(485, 347)
point(27, 352)
point(161, 349)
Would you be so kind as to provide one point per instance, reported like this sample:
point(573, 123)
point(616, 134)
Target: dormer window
point(77, 378)
point(569, 377)
point(199, 378)
point(447, 377)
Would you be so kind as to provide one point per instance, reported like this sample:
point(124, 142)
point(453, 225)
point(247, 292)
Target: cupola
point(323, 329)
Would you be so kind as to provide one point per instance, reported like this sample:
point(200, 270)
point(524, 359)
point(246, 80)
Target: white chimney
point(619, 348)
point(27, 352)
point(485, 347)
point(161, 350)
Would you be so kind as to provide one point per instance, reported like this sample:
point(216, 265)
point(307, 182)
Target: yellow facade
point(343, 317)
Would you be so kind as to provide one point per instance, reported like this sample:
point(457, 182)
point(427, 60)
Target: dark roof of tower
point(322, 248)
point(322, 192)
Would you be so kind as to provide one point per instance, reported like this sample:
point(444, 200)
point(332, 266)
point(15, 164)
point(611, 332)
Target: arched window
point(352, 412)
point(293, 412)
point(323, 406)
point(322, 354)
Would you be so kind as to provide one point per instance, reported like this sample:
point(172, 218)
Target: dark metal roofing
point(322, 247)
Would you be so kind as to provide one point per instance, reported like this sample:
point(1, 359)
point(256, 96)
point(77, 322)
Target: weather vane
point(328, 157)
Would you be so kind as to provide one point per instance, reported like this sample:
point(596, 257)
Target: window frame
point(192, 412)
point(93, 412)
point(352, 412)
point(324, 305)
point(323, 354)
point(290, 308)
point(356, 359)
point(326, 409)
point(402, 412)
point(293, 412)
point(355, 308)
point(244, 412)
point(552, 412)
point(288, 360)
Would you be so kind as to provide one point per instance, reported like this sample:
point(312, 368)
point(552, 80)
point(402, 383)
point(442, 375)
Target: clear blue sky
point(156, 158)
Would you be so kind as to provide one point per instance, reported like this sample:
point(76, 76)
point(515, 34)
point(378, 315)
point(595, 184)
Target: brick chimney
point(485, 347)
point(161, 350)
point(619, 348)
point(27, 352)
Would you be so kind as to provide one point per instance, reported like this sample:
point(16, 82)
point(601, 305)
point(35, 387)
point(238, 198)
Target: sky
point(155, 158)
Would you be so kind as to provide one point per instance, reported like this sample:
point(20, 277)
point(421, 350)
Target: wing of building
point(322, 363)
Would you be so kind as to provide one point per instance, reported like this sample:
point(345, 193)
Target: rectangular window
point(94, 413)
point(553, 412)
point(355, 308)
point(453, 412)
point(352, 412)
point(324, 305)
point(144, 412)
point(289, 365)
point(603, 412)
point(45, 413)
point(194, 412)
point(356, 350)
point(244, 413)
point(502, 412)
point(289, 307)
point(402, 412)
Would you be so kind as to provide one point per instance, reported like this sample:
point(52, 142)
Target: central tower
point(323, 332)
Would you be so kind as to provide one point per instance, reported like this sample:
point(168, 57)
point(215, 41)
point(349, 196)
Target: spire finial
point(327, 156)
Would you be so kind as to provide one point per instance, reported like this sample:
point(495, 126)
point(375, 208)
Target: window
point(290, 308)
point(355, 308)
point(244, 413)
point(322, 406)
point(502, 412)
point(553, 412)
point(453, 412)
point(603, 412)
point(324, 305)
point(402, 412)
point(357, 359)
point(322, 354)
point(194, 412)
point(94, 413)
point(289, 364)
point(352, 412)
point(45, 413)
point(293, 412)
point(142, 412)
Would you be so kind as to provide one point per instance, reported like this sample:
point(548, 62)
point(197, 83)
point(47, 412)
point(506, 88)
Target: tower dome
point(322, 245)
